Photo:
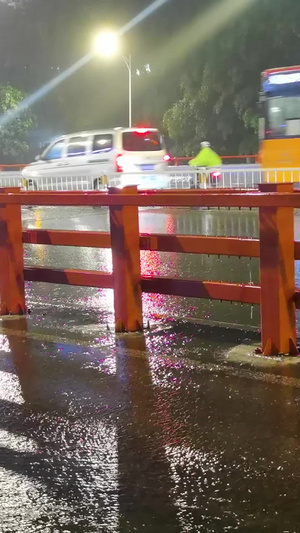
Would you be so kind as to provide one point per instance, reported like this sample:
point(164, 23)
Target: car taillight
point(141, 131)
point(119, 163)
point(167, 157)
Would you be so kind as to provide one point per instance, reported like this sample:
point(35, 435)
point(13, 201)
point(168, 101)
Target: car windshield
point(142, 141)
point(55, 151)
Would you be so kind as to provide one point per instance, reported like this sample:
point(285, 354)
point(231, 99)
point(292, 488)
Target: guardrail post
point(12, 289)
point(277, 275)
point(125, 244)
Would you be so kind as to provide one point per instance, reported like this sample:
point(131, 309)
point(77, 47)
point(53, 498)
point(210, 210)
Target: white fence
point(11, 179)
point(175, 178)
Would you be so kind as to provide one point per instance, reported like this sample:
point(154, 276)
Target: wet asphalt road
point(159, 432)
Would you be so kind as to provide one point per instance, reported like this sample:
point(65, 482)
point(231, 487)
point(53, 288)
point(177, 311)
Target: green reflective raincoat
point(206, 158)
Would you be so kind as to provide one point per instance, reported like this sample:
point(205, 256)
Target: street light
point(127, 61)
point(106, 44)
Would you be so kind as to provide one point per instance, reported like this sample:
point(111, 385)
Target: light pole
point(106, 44)
point(127, 61)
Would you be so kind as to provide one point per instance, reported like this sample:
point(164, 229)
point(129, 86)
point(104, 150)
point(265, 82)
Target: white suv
point(94, 159)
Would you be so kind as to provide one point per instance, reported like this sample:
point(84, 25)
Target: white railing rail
point(173, 178)
point(11, 179)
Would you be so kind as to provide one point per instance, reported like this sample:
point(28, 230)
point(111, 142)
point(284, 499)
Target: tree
point(221, 83)
point(14, 135)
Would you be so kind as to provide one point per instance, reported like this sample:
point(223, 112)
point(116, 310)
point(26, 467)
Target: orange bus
point(279, 126)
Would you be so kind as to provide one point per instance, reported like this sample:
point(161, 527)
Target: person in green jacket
point(206, 157)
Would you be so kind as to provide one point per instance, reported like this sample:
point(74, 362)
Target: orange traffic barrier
point(277, 296)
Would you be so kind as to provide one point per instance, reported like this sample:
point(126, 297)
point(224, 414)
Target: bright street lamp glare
point(106, 44)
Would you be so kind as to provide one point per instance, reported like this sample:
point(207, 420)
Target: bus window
point(283, 114)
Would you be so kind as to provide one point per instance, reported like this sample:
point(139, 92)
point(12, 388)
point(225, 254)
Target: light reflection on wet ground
point(156, 432)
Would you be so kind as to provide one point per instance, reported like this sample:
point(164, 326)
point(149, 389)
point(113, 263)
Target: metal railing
point(230, 177)
point(11, 179)
point(276, 249)
point(174, 178)
point(237, 159)
point(223, 177)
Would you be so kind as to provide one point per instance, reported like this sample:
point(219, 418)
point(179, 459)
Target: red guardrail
point(276, 249)
point(4, 168)
point(225, 158)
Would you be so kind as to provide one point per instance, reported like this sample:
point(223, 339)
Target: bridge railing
point(14, 167)
point(276, 294)
point(226, 159)
point(174, 178)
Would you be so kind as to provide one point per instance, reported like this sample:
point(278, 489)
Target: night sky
point(48, 35)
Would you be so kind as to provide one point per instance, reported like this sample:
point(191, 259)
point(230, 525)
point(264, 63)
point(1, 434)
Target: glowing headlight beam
point(12, 114)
